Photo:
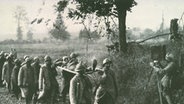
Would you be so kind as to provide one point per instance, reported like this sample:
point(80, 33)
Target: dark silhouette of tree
point(59, 29)
point(30, 35)
point(20, 16)
point(102, 8)
point(19, 33)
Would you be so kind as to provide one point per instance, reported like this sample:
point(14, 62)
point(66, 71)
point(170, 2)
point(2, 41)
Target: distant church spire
point(162, 24)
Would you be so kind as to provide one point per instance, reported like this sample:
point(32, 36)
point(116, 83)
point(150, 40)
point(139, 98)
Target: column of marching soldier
point(37, 83)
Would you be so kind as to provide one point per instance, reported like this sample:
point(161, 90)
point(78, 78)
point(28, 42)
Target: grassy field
point(132, 70)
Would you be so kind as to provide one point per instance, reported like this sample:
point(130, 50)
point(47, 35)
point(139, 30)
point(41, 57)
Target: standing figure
point(47, 82)
point(79, 89)
point(26, 81)
point(65, 82)
point(7, 71)
point(36, 66)
point(72, 62)
point(65, 60)
point(107, 91)
point(14, 78)
point(2, 61)
point(169, 73)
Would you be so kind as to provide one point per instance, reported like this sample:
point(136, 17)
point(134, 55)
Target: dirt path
point(6, 98)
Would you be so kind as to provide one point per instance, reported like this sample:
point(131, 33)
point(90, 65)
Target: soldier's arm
point(41, 79)
point(168, 68)
point(3, 72)
point(157, 69)
point(115, 83)
point(20, 77)
point(72, 92)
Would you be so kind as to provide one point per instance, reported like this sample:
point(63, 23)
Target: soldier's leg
point(167, 95)
point(54, 92)
point(65, 92)
point(168, 98)
point(35, 98)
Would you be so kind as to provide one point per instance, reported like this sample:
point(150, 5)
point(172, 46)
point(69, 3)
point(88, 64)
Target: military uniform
point(26, 81)
point(47, 83)
point(14, 78)
point(2, 61)
point(168, 73)
point(79, 91)
point(36, 66)
point(107, 91)
point(7, 71)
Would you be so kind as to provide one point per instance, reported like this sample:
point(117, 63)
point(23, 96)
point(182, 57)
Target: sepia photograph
point(91, 52)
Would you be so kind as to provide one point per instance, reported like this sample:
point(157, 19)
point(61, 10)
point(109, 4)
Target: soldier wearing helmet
point(26, 81)
point(168, 73)
point(65, 61)
point(107, 90)
point(72, 62)
point(80, 90)
point(2, 61)
point(14, 77)
point(48, 85)
point(6, 72)
point(36, 66)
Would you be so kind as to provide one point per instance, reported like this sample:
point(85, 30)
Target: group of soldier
point(36, 83)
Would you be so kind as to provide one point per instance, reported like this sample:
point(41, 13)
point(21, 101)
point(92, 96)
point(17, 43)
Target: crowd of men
point(36, 83)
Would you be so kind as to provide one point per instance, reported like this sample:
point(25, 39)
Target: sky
point(147, 14)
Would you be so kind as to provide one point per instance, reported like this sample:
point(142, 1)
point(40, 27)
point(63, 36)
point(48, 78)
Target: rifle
point(156, 66)
point(152, 64)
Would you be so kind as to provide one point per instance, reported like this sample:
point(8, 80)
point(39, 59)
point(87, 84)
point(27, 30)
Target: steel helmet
point(80, 67)
point(65, 57)
point(73, 55)
point(169, 56)
point(47, 58)
point(106, 60)
point(25, 56)
point(17, 61)
point(28, 60)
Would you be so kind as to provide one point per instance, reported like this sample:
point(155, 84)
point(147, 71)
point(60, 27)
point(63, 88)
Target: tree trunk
point(122, 31)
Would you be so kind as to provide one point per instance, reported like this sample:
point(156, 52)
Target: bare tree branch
point(153, 37)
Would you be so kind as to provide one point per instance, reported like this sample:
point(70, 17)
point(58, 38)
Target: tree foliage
point(84, 34)
point(20, 16)
point(59, 29)
point(101, 8)
point(19, 33)
point(30, 35)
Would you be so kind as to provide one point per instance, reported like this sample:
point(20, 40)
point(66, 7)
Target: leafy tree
point(147, 33)
point(102, 8)
point(19, 33)
point(20, 16)
point(30, 35)
point(83, 34)
point(59, 30)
